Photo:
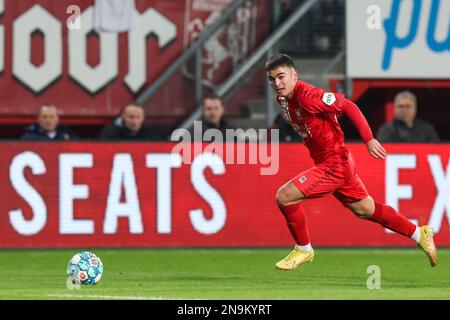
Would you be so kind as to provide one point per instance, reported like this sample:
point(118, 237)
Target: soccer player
point(313, 113)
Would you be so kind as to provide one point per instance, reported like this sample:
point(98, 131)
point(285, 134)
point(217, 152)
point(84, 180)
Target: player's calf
point(389, 218)
point(288, 200)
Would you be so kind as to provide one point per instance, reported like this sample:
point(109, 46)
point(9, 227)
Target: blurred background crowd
point(173, 64)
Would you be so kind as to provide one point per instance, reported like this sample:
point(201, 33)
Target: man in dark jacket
point(406, 127)
point(47, 127)
point(212, 116)
point(129, 126)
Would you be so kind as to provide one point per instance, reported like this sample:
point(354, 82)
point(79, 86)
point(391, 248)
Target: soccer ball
point(85, 268)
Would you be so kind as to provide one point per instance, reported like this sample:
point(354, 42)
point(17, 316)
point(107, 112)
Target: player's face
point(133, 118)
point(283, 80)
point(405, 110)
point(212, 111)
point(48, 118)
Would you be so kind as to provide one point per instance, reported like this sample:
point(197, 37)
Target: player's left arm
point(355, 115)
point(318, 101)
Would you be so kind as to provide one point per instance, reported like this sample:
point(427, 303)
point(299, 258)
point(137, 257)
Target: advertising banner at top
point(400, 39)
point(52, 52)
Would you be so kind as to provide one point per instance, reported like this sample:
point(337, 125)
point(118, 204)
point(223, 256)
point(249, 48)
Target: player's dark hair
point(279, 60)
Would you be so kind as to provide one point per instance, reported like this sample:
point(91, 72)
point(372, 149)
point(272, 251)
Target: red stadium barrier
point(132, 195)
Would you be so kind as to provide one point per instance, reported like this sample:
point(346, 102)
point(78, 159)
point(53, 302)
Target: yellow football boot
point(294, 259)
point(426, 243)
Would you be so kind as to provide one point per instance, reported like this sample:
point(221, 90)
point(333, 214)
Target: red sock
point(391, 219)
point(296, 221)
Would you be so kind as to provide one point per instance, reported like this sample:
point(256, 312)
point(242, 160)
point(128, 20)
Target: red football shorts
point(340, 179)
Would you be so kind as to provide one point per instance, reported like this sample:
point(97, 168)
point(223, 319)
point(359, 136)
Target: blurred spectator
point(406, 127)
point(287, 7)
point(327, 25)
point(128, 126)
point(286, 132)
point(320, 33)
point(212, 115)
point(47, 127)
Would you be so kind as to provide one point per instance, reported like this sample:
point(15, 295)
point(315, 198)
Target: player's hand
point(376, 150)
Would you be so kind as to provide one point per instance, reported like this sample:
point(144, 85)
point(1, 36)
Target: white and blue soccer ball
point(85, 268)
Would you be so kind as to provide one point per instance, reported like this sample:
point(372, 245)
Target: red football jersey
point(314, 113)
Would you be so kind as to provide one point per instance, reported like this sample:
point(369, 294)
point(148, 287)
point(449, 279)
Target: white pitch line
point(92, 296)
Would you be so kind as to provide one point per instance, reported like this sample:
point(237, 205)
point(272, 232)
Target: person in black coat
point(128, 126)
point(406, 127)
point(47, 127)
point(212, 117)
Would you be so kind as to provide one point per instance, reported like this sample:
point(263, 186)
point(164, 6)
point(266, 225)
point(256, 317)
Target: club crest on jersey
point(302, 179)
point(329, 98)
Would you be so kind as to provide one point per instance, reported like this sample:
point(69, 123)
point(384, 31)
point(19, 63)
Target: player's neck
point(290, 95)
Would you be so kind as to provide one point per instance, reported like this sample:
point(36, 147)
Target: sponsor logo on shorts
point(302, 179)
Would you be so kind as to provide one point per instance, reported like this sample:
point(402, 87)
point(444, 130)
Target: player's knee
point(363, 209)
point(281, 198)
point(286, 197)
point(362, 213)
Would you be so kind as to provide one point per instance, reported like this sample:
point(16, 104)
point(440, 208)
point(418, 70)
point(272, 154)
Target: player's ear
point(295, 74)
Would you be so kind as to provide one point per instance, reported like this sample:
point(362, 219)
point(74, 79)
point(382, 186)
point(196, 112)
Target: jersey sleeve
point(359, 121)
point(317, 101)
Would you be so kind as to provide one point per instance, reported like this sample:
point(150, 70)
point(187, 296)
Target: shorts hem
point(299, 187)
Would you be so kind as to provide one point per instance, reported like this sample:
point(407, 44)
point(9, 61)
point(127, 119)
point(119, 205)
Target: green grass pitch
point(227, 274)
